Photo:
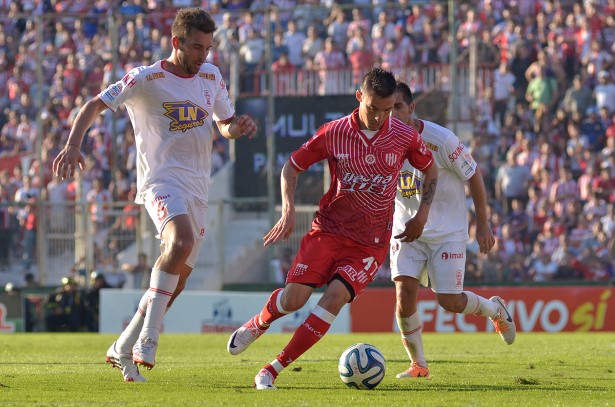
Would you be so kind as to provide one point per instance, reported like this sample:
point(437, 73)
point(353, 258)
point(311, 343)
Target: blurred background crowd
point(543, 120)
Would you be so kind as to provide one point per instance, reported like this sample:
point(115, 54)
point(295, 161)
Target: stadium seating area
point(544, 121)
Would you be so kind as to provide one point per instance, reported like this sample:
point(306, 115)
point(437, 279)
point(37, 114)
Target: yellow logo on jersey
point(210, 76)
point(184, 115)
point(408, 184)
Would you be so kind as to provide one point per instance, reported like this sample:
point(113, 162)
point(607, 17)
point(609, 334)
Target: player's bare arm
point(237, 127)
point(414, 227)
point(484, 234)
point(67, 160)
point(286, 224)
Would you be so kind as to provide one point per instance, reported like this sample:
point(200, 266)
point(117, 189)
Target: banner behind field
point(534, 309)
point(206, 312)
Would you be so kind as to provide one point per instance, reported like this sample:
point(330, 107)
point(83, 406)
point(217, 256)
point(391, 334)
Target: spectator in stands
point(252, 53)
point(294, 40)
point(64, 307)
point(578, 98)
point(512, 182)
point(91, 301)
point(139, 273)
point(329, 62)
point(604, 92)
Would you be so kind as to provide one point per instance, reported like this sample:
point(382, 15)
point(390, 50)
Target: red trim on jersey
point(173, 73)
point(421, 126)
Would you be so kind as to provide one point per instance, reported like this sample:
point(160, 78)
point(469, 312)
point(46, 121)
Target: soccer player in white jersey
point(352, 227)
point(438, 255)
point(171, 105)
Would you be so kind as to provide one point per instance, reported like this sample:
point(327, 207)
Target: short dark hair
point(405, 92)
point(189, 19)
point(379, 82)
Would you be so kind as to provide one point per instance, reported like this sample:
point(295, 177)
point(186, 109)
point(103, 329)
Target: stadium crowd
point(544, 120)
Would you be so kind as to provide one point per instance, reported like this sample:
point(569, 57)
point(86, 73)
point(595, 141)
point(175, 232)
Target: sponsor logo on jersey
point(431, 146)
point(408, 184)
point(353, 275)
point(162, 211)
point(222, 84)
point(391, 158)
point(299, 269)
point(459, 278)
point(374, 183)
point(452, 256)
point(455, 154)
point(129, 80)
point(342, 157)
point(184, 115)
point(155, 75)
point(115, 90)
point(208, 76)
point(207, 95)
point(370, 159)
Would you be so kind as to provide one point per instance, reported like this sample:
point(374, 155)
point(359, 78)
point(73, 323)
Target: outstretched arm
point(484, 235)
point(66, 162)
point(284, 227)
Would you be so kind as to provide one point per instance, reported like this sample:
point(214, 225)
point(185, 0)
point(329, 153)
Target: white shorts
point(441, 265)
point(164, 202)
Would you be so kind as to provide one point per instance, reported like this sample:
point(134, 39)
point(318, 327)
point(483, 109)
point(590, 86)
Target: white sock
point(411, 336)
point(478, 305)
point(276, 365)
point(161, 288)
point(129, 336)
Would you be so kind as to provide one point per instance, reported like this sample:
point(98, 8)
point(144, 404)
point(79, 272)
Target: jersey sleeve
point(312, 151)
point(123, 90)
point(459, 158)
point(418, 155)
point(223, 107)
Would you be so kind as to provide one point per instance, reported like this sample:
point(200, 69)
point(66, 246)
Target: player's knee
point(451, 302)
point(180, 247)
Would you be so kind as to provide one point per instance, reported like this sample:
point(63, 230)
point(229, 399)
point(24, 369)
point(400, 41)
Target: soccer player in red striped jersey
point(350, 233)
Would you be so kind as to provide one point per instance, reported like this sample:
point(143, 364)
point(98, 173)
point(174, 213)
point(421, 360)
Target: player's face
point(402, 110)
point(374, 110)
point(193, 51)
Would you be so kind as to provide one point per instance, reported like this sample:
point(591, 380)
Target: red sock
point(271, 370)
point(270, 311)
point(306, 336)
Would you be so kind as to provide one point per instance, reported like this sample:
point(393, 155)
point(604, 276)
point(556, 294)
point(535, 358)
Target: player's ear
point(175, 41)
point(411, 107)
point(359, 95)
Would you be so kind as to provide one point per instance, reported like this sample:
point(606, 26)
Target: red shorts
point(324, 256)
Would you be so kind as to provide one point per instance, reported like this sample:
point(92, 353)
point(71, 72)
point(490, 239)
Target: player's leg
point(281, 302)
point(178, 237)
point(410, 325)
point(307, 334)
point(447, 275)
point(408, 271)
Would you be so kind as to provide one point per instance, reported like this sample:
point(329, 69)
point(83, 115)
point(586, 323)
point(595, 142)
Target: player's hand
point(484, 237)
point(246, 126)
point(414, 230)
point(66, 162)
point(281, 230)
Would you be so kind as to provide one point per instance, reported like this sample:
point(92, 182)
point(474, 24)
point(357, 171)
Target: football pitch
point(539, 369)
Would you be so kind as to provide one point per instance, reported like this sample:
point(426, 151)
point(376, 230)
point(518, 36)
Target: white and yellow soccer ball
point(362, 366)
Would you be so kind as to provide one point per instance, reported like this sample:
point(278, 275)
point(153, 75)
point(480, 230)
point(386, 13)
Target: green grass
point(572, 369)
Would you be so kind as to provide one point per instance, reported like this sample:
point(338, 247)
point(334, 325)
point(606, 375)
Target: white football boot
point(124, 363)
point(144, 352)
point(264, 380)
point(244, 336)
point(504, 324)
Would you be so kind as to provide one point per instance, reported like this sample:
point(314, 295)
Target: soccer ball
point(362, 366)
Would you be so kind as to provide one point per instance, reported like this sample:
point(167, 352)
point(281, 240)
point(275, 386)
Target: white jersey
point(448, 215)
point(172, 117)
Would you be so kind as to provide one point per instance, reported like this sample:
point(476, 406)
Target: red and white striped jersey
point(359, 202)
